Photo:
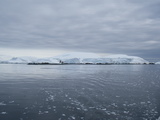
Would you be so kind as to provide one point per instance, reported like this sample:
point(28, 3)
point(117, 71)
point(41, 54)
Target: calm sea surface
point(79, 92)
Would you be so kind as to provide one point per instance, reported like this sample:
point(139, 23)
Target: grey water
point(79, 92)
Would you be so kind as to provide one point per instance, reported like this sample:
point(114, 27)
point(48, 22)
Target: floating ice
point(126, 112)
point(3, 113)
point(46, 112)
point(11, 101)
point(113, 113)
point(1, 104)
point(73, 117)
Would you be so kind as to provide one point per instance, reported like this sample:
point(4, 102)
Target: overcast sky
point(50, 27)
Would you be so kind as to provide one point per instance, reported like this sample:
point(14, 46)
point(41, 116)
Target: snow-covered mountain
point(20, 60)
point(120, 58)
point(80, 57)
point(26, 59)
point(77, 57)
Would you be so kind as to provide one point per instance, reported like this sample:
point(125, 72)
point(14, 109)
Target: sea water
point(79, 92)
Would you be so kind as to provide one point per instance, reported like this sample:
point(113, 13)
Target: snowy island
point(75, 58)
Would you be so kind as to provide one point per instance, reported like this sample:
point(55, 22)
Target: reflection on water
point(79, 92)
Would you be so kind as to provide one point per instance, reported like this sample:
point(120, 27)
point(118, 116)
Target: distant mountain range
point(76, 58)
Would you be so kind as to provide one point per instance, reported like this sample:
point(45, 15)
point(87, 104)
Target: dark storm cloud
point(106, 26)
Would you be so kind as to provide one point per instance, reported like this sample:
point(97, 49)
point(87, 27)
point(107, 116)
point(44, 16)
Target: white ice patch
point(73, 117)
point(3, 113)
point(126, 112)
point(46, 112)
point(142, 103)
point(113, 113)
point(2, 103)
point(51, 98)
point(104, 109)
point(11, 101)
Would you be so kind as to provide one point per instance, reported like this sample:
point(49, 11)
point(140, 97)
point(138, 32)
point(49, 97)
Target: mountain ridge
point(79, 58)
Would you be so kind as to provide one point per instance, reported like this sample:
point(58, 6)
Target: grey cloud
point(106, 26)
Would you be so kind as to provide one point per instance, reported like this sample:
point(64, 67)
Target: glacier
point(19, 60)
point(95, 59)
point(78, 58)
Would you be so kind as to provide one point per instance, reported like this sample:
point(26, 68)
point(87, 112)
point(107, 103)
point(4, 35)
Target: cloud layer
point(102, 26)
